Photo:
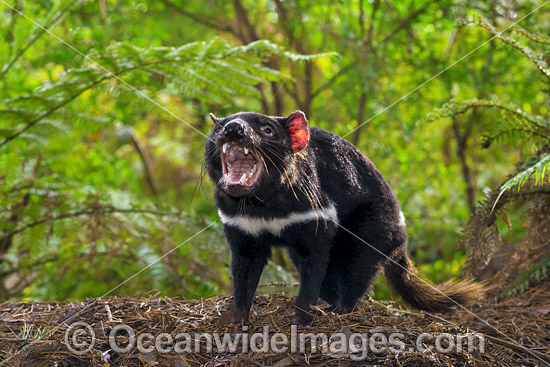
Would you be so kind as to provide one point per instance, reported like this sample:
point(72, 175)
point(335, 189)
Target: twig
point(519, 348)
point(390, 308)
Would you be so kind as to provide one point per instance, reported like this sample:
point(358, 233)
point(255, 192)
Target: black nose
point(234, 130)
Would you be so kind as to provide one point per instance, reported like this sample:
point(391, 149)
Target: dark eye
point(217, 128)
point(267, 130)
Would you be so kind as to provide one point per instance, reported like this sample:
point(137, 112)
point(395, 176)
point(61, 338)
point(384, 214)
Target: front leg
point(248, 258)
point(311, 258)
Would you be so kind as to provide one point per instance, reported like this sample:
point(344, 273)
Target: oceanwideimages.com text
point(80, 338)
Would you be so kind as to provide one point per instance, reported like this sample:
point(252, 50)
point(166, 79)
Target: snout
point(240, 162)
point(234, 130)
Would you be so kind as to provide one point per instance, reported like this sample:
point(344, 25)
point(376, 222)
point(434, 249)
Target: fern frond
point(481, 236)
point(515, 123)
point(536, 59)
point(536, 37)
point(212, 71)
point(538, 169)
point(453, 108)
point(48, 128)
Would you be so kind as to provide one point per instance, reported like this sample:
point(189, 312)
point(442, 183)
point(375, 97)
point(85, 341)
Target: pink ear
point(296, 126)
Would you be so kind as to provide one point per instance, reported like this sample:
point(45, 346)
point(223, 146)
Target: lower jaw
point(238, 190)
point(235, 188)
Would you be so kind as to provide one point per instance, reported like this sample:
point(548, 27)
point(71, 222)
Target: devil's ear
point(213, 118)
point(297, 129)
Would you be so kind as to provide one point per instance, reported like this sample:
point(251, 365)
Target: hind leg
point(364, 245)
point(356, 275)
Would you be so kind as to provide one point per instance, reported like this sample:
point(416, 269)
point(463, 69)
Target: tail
point(422, 294)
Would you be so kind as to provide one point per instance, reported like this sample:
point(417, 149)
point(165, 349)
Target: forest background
point(103, 113)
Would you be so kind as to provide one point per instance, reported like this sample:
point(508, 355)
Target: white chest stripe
point(275, 226)
point(401, 218)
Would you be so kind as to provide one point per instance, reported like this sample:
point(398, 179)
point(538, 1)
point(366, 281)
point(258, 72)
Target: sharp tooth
point(243, 179)
point(227, 177)
point(245, 151)
point(224, 148)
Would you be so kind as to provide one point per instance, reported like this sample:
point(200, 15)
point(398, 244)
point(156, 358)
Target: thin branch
point(370, 35)
point(536, 59)
point(284, 21)
point(460, 107)
point(360, 118)
point(331, 81)
point(361, 19)
point(450, 45)
point(406, 22)
point(199, 18)
point(87, 211)
point(51, 111)
point(145, 160)
point(298, 45)
point(535, 37)
point(293, 93)
point(461, 149)
point(242, 17)
point(9, 37)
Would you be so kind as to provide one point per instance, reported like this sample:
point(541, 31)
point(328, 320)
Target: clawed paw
point(302, 318)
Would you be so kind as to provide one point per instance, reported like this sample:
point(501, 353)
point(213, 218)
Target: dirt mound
point(44, 334)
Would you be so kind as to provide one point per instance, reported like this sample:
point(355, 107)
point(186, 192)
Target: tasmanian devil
point(280, 182)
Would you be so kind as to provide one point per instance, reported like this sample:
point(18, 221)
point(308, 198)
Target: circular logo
point(79, 338)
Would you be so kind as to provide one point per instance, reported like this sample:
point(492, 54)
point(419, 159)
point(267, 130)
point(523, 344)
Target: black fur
point(333, 264)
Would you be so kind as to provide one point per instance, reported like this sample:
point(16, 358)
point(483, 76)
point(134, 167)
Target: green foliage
point(64, 173)
point(534, 274)
point(536, 37)
point(211, 71)
point(100, 177)
point(30, 332)
point(482, 236)
point(513, 121)
point(537, 168)
point(539, 60)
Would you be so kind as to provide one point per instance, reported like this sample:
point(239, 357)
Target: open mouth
point(241, 166)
